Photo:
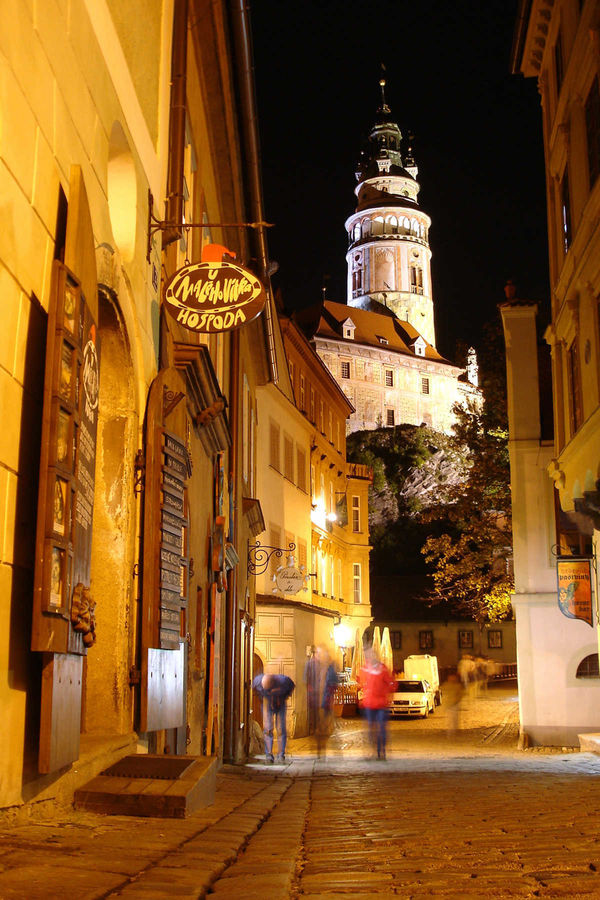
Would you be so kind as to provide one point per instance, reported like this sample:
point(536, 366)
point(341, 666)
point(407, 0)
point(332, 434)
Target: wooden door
point(165, 555)
point(63, 610)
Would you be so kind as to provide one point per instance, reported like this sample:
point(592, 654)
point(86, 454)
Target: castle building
point(380, 344)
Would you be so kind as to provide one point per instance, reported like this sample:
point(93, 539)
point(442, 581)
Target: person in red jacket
point(377, 684)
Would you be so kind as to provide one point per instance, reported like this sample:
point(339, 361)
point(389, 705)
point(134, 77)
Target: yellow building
point(128, 617)
point(556, 483)
point(315, 503)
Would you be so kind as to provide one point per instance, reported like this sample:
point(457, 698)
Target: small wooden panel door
point(165, 555)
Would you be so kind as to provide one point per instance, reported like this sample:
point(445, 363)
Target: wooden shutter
point(165, 554)
point(63, 622)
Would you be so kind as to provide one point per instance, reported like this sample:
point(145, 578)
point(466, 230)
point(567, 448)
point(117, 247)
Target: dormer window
point(419, 346)
point(382, 340)
point(348, 329)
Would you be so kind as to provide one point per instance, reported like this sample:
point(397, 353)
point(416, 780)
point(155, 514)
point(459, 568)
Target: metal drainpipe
point(174, 206)
point(240, 21)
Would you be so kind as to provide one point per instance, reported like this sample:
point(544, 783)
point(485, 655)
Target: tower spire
point(382, 82)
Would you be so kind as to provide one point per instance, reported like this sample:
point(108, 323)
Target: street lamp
point(342, 635)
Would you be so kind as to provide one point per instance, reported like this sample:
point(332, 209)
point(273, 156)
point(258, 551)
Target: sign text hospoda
point(214, 296)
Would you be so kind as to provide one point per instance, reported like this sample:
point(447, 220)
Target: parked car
point(424, 666)
point(412, 698)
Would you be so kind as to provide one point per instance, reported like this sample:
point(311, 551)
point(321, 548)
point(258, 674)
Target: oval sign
point(214, 296)
point(289, 580)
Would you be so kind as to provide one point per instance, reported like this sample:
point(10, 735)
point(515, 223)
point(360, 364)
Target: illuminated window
point(356, 587)
point(345, 370)
point(302, 393)
point(389, 378)
point(416, 280)
point(311, 413)
point(424, 385)
point(390, 418)
point(291, 367)
point(356, 514)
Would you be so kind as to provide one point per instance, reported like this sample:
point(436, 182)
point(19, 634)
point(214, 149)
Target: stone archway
point(107, 705)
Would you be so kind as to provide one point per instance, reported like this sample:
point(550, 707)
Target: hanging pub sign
point(575, 588)
point(211, 297)
point(289, 579)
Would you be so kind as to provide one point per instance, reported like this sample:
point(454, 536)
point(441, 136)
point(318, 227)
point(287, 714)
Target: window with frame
point(274, 446)
point(356, 586)
point(302, 551)
point(301, 469)
point(592, 126)
point(275, 535)
point(494, 639)
point(465, 639)
point(288, 457)
point(588, 667)
point(345, 370)
point(302, 392)
point(330, 425)
point(396, 640)
point(311, 412)
point(321, 417)
point(389, 378)
point(425, 640)
point(390, 418)
point(424, 385)
point(559, 66)
point(356, 514)
point(574, 382)
point(565, 207)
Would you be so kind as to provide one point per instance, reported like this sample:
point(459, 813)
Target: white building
point(380, 346)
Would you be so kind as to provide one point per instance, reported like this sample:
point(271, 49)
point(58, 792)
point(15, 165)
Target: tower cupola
point(389, 256)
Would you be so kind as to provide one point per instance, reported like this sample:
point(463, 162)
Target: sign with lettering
point(575, 588)
point(212, 297)
point(289, 579)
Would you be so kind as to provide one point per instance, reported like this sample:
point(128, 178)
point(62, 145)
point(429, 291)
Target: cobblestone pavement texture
point(452, 814)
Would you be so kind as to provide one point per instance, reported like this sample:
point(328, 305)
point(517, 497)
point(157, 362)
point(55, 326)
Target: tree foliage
point(440, 505)
point(470, 560)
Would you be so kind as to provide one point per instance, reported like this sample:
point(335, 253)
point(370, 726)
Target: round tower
point(388, 254)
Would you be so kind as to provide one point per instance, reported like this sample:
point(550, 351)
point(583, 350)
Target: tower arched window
point(357, 231)
point(377, 225)
point(406, 225)
point(366, 227)
point(414, 226)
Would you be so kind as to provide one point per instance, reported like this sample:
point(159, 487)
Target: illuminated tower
point(388, 255)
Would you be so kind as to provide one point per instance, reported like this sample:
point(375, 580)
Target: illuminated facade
point(312, 498)
point(380, 345)
point(128, 618)
point(555, 477)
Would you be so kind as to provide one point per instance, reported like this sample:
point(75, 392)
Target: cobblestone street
point(455, 816)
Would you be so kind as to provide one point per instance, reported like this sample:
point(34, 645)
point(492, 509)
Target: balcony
point(358, 470)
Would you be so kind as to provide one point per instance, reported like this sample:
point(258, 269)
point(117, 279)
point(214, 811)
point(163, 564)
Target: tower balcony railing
point(416, 289)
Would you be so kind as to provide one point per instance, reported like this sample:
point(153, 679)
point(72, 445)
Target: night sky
point(477, 144)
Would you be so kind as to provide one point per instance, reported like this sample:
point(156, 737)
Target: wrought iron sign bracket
point(260, 554)
point(155, 225)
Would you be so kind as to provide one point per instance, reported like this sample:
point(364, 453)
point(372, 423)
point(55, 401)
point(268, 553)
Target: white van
point(411, 697)
point(426, 667)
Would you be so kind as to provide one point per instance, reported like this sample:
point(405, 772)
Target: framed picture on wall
point(465, 640)
point(495, 640)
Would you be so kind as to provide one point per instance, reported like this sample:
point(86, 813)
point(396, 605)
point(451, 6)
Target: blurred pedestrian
point(377, 684)
point(453, 694)
point(274, 689)
point(311, 680)
point(327, 682)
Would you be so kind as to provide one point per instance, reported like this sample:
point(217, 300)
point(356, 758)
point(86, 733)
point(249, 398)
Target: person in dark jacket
point(274, 689)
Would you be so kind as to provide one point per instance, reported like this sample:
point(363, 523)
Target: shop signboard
point(211, 297)
point(289, 579)
point(575, 588)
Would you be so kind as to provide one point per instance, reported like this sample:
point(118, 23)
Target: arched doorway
point(107, 703)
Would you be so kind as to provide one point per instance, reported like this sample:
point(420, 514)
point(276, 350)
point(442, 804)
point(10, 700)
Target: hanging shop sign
point(289, 579)
point(575, 588)
point(211, 297)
